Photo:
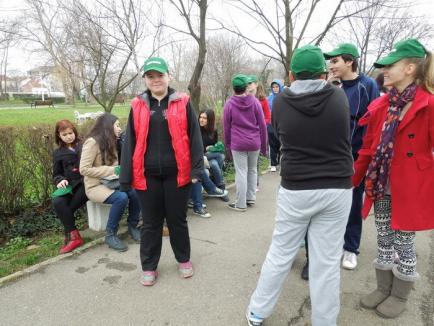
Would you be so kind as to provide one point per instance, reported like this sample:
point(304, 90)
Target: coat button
point(409, 154)
point(411, 136)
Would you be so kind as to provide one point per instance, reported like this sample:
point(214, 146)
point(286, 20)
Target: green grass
point(46, 115)
point(15, 256)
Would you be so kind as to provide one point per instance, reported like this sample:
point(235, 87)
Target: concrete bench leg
point(97, 215)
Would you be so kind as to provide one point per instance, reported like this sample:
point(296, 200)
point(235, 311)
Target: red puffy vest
point(178, 129)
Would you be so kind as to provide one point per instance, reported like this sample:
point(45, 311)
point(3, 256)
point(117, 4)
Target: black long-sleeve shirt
point(160, 155)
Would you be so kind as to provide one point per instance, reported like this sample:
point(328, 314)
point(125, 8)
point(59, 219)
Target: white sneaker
point(350, 260)
point(273, 169)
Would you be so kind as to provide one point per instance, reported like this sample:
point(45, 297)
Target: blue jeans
point(196, 189)
point(119, 201)
point(216, 165)
point(196, 195)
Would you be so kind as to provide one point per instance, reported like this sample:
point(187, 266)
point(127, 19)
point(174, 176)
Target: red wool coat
point(412, 167)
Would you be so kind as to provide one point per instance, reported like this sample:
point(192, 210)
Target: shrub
point(26, 179)
point(25, 171)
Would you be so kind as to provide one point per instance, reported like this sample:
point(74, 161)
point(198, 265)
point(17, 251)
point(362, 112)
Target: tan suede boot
point(384, 286)
point(396, 303)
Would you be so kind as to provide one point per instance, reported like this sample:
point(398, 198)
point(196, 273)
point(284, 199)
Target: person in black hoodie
point(161, 157)
point(66, 175)
point(311, 120)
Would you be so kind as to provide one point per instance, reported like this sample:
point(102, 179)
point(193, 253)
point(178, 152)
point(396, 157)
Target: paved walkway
point(100, 287)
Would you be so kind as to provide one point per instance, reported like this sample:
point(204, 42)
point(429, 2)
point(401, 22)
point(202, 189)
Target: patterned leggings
point(389, 240)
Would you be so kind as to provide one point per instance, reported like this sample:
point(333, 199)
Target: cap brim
point(386, 61)
point(331, 54)
point(61, 192)
point(159, 69)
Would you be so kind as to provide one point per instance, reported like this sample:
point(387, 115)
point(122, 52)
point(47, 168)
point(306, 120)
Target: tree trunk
point(194, 85)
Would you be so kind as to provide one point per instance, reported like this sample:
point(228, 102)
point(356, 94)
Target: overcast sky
point(22, 59)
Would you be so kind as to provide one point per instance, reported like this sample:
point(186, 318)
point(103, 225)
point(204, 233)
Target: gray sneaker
point(202, 213)
point(218, 193)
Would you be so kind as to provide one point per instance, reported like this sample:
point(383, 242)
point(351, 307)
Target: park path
point(100, 287)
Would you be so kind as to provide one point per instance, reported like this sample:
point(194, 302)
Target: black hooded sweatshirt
point(314, 132)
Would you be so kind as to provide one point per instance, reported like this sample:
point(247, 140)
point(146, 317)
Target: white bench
point(97, 214)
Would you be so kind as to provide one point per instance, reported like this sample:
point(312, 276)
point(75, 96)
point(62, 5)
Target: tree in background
point(378, 27)
point(286, 24)
point(8, 37)
point(185, 8)
point(227, 56)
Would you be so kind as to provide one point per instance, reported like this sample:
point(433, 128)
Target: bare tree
point(285, 25)
point(227, 55)
point(376, 29)
point(185, 9)
point(9, 37)
point(44, 26)
point(104, 39)
point(94, 45)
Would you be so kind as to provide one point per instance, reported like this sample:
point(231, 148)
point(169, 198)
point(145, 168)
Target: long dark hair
point(210, 121)
point(103, 133)
point(62, 125)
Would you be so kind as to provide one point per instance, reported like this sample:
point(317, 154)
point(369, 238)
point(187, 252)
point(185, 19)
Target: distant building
point(49, 77)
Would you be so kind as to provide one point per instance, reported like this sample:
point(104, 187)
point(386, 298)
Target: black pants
point(274, 147)
point(65, 207)
point(163, 200)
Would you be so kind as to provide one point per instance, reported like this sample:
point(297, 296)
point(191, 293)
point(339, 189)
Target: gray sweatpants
point(323, 213)
point(246, 172)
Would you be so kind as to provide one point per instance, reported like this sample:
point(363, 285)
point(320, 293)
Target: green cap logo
point(155, 63)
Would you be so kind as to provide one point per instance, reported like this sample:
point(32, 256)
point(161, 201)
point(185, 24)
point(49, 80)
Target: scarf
point(379, 168)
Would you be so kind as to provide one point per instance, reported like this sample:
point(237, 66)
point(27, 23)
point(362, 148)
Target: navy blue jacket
point(360, 93)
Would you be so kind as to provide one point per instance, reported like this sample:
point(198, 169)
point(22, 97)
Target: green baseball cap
point(308, 58)
point(343, 48)
point(155, 63)
point(61, 192)
point(252, 78)
point(409, 48)
point(240, 80)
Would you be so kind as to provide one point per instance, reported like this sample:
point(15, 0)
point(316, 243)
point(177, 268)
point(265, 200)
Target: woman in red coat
point(397, 160)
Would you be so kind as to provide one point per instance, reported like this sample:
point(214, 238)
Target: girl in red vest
point(397, 160)
point(162, 155)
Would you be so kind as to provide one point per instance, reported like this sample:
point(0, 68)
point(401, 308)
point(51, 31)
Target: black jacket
point(66, 166)
point(314, 131)
point(207, 139)
point(160, 155)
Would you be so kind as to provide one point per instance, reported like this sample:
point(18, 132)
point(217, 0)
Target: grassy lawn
point(45, 115)
point(20, 253)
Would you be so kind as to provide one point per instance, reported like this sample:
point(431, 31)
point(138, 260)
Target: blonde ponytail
point(428, 73)
point(424, 72)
